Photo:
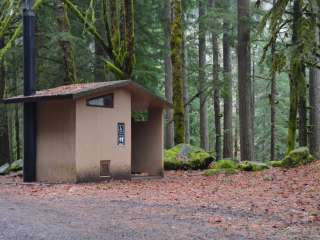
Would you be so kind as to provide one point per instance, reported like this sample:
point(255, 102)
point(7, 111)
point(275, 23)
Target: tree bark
point(186, 90)
point(273, 99)
point(185, 59)
point(129, 38)
point(66, 46)
point(227, 95)
point(253, 100)
point(4, 131)
point(16, 119)
point(100, 73)
point(236, 129)
point(177, 70)
point(244, 85)
point(296, 77)
point(204, 134)
point(168, 75)
point(17, 132)
point(303, 133)
point(314, 95)
point(216, 87)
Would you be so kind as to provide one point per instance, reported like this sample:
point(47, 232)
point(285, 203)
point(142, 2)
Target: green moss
point(297, 157)
point(187, 157)
point(252, 166)
point(16, 165)
point(225, 164)
point(277, 163)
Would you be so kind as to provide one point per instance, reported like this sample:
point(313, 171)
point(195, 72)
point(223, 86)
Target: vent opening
point(104, 168)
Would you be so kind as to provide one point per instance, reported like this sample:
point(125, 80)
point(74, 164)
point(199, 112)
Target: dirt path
point(275, 204)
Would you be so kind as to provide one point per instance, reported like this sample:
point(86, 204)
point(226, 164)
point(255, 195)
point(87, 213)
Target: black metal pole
point(30, 142)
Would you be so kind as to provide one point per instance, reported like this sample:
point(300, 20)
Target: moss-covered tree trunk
point(244, 83)
point(169, 136)
point(66, 46)
point(177, 70)
point(4, 130)
point(227, 85)
point(296, 76)
point(204, 134)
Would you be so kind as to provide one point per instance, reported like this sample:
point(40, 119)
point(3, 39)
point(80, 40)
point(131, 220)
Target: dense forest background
point(219, 61)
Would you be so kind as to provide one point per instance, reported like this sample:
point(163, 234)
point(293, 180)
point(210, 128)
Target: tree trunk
point(216, 87)
point(17, 132)
point(244, 85)
point(227, 95)
point(204, 134)
point(273, 99)
point(314, 94)
point(129, 38)
point(168, 75)
point(303, 133)
point(4, 131)
point(100, 73)
point(185, 59)
point(66, 46)
point(236, 130)
point(253, 100)
point(16, 119)
point(177, 70)
point(296, 77)
point(186, 91)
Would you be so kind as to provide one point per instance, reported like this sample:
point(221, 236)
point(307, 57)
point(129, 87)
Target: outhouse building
point(86, 131)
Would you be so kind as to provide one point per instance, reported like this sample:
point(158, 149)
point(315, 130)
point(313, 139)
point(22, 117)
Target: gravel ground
point(180, 206)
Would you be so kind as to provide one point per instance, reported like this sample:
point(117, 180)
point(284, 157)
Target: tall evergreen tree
point(65, 44)
point(227, 93)
point(177, 71)
point(244, 85)
point(216, 87)
point(296, 75)
point(168, 73)
point(314, 92)
point(204, 134)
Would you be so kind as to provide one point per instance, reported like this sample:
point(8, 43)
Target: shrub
point(173, 165)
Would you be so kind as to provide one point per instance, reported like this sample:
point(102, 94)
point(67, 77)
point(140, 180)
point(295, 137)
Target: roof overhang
point(76, 91)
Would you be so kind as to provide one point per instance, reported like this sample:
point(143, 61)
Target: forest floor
point(273, 204)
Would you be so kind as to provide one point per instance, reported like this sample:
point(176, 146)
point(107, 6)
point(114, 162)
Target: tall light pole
point(29, 111)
